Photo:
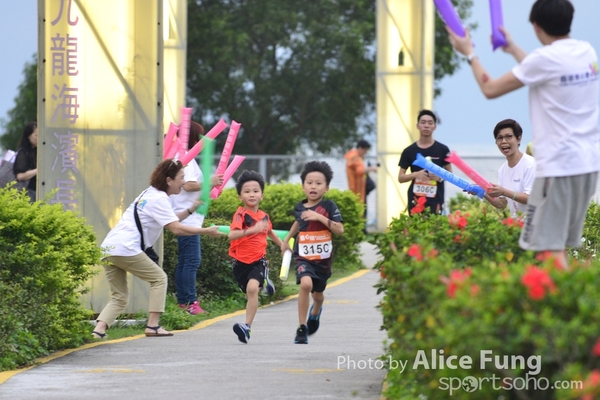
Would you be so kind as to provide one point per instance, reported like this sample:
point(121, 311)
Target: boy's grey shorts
point(556, 211)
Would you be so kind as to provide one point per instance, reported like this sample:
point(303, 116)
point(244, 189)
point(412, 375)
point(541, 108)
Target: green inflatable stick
point(281, 233)
point(206, 165)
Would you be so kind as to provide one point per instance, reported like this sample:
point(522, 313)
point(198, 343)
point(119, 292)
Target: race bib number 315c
point(315, 245)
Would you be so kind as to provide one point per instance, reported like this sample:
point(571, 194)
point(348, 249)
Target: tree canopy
point(25, 109)
point(294, 73)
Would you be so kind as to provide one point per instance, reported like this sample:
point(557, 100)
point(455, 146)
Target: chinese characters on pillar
point(64, 101)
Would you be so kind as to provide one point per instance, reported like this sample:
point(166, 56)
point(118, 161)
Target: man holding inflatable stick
point(423, 182)
point(563, 98)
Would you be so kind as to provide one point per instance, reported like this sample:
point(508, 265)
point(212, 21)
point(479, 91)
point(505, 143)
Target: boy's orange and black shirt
point(250, 248)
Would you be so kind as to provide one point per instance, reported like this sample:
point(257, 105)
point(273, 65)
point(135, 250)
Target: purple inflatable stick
point(450, 16)
point(498, 38)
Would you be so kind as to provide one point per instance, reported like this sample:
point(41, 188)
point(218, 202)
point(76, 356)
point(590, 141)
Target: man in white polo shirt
point(562, 77)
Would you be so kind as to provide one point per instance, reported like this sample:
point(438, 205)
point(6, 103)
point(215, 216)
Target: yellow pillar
point(175, 51)
point(100, 112)
point(405, 63)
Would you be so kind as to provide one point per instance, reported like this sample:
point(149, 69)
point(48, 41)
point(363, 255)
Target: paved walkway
point(208, 361)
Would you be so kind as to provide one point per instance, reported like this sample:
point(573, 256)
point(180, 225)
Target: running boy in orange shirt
point(316, 219)
point(248, 235)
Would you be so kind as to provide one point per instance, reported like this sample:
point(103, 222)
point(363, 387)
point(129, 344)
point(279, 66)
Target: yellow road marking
point(111, 370)
point(307, 371)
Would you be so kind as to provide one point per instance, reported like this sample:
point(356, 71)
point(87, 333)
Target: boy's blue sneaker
point(301, 335)
point(242, 331)
point(268, 287)
point(313, 320)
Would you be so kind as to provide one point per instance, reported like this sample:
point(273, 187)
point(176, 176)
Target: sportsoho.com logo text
point(471, 384)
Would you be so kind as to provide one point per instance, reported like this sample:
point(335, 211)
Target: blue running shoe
point(268, 287)
point(301, 335)
point(243, 332)
point(313, 320)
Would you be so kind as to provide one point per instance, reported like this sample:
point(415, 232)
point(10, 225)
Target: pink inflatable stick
point(168, 142)
point(470, 172)
point(213, 133)
point(184, 130)
point(498, 38)
point(237, 160)
point(231, 137)
point(450, 16)
point(174, 149)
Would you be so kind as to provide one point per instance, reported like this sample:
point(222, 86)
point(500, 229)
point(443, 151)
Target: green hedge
point(46, 256)
point(460, 284)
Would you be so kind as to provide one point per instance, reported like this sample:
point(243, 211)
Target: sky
point(18, 28)
point(467, 118)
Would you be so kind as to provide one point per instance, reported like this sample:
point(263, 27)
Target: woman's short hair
point(168, 168)
point(508, 123)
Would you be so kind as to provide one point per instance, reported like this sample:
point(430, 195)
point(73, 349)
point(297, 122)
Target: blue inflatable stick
point(448, 176)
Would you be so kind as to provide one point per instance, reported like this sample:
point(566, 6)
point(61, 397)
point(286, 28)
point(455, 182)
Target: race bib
point(425, 188)
point(315, 245)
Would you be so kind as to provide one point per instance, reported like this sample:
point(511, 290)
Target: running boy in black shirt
point(316, 219)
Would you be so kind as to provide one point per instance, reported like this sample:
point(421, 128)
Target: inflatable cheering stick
point(450, 16)
point(498, 38)
point(470, 172)
point(448, 176)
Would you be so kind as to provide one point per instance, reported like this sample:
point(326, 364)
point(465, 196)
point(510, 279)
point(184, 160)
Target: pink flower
point(513, 222)
point(452, 287)
point(456, 220)
point(596, 348)
point(420, 207)
point(414, 251)
point(457, 280)
point(537, 281)
point(590, 383)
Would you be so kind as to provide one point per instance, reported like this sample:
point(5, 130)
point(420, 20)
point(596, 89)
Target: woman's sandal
point(156, 334)
point(98, 335)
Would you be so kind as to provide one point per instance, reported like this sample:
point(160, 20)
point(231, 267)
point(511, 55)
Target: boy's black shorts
point(319, 278)
point(244, 272)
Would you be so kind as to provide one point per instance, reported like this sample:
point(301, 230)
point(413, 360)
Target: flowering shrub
point(420, 206)
point(467, 238)
point(459, 286)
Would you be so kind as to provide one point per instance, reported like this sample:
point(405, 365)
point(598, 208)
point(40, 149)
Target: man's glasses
point(508, 138)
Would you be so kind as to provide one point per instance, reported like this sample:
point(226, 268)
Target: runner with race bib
point(316, 220)
point(424, 183)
